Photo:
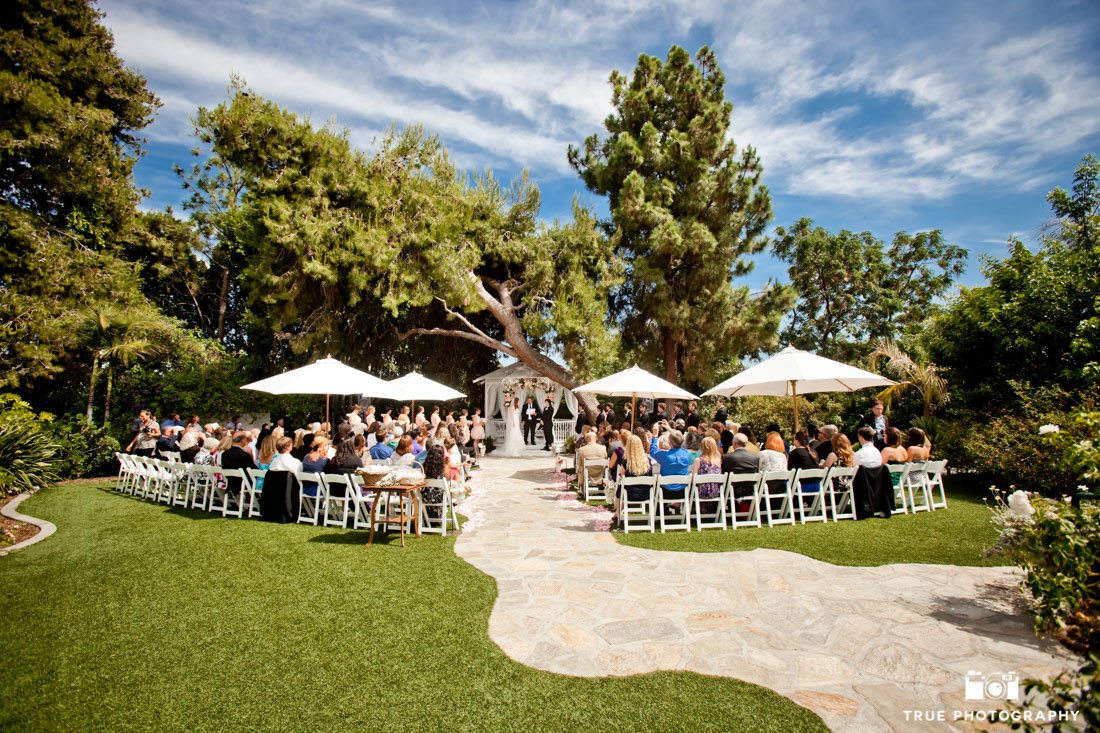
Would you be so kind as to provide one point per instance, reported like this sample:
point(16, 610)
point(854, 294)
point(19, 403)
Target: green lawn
point(956, 535)
point(138, 617)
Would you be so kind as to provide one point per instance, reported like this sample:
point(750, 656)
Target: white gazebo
point(520, 380)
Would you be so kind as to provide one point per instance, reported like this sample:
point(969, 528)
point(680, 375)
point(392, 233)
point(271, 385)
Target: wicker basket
point(372, 478)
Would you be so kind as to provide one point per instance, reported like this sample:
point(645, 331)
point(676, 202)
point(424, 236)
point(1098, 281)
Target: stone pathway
point(859, 646)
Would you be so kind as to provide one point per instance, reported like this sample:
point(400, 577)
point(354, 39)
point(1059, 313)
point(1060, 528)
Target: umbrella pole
point(633, 406)
point(326, 412)
point(794, 391)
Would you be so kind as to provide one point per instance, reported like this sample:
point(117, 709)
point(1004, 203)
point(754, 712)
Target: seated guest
point(811, 434)
point(206, 454)
point(359, 444)
point(726, 436)
point(773, 457)
point(190, 443)
point(752, 447)
point(693, 445)
point(168, 442)
point(316, 461)
point(635, 463)
point(825, 441)
point(868, 455)
point(453, 458)
point(269, 448)
point(675, 461)
point(740, 459)
point(402, 454)
point(283, 460)
point(304, 447)
point(345, 459)
point(802, 457)
point(415, 434)
point(917, 446)
point(894, 452)
point(591, 451)
point(841, 453)
point(708, 463)
point(372, 433)
point(774, 428)
point(225, 442)
point(618, 454)
point(381, 451)
point(237, 457)
point(434, 468)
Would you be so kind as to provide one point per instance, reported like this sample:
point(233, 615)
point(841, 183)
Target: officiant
point(531, 417)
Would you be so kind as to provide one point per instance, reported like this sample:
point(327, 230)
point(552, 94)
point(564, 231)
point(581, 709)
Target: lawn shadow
point(180, 511)
point(999, 612)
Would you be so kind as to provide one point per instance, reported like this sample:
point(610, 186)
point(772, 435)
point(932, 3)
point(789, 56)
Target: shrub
point(83, 450)
point(27, 450)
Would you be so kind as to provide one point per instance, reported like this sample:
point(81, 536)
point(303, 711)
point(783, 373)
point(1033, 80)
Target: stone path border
point(45, 529)
point(857, 645)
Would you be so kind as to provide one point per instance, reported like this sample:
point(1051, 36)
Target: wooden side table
point(383, 493)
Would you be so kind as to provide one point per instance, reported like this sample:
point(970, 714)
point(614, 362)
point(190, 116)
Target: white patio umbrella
point(635, 382)
point(792, 371)
point(326, 376)
point(415, 386)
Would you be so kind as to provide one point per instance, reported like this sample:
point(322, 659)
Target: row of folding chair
point(774, 497)
point(325, 499)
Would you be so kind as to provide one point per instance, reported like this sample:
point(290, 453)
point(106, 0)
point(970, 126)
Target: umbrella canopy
point(324, 376)
point(792, 372)
point(416, 387)
point(635, 382)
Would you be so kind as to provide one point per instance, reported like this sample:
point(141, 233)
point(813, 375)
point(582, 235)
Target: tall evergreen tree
point(68, 142)
point(688, 210)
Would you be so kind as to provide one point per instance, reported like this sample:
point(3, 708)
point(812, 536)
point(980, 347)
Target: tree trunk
point(223, 298)
point(671, 352)
point(107, 401)
point(91, 387)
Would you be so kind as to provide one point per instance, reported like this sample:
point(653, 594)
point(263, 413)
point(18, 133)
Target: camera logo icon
point(998, 686)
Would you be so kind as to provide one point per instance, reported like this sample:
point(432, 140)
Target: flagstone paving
point(859, 646)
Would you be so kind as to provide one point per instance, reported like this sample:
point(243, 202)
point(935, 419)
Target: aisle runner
point(859, 646)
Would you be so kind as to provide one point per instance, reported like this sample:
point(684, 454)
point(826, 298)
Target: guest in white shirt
point(283, 461)
point(868, 455)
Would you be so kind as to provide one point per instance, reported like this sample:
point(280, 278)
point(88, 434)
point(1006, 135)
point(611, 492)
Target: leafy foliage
point(67, 146)
point(26, 450)
point(852, 290)
point(82, 450)
point(1038, 320)
point(687, 209)
point(925, 378)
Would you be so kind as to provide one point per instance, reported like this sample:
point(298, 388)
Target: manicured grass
point(138, 617)
point(956, 535)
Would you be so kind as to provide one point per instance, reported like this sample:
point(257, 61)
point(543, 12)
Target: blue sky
point(883, 116)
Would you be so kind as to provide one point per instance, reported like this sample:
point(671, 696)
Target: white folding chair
point(180, 480)
point(166, 481)
point(590, 488)
point(916, 482)
point(170, 456)
point(901, 470)
point(744, 500)
point(125, 472)
point(150, 471)
point(311, 497)
point(444, 514)
point(230, 502)
point(935, 471)
point(837, 486)
point(777, 497)
point(200, 478)
point(642, 509)
point(341, 497)
point(255, 489)
point(366, 498)
point(716, 518)
point(666, 519)
point(810, 505)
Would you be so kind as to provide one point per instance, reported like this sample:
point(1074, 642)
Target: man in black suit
point(610, 414)
point(693, 417)
point(720, 414)
point(741, 460)
point(878, 422)
point(530, 417)
point(237, 457)
point(644, 418)
point(601, 416)
point(548, 424)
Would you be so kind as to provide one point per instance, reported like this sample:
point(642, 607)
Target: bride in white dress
point(513, 436)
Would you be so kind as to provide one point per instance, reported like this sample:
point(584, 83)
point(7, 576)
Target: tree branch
point(454, 333)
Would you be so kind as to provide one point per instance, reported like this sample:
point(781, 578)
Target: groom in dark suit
point(530, 420)
point(548, 424)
